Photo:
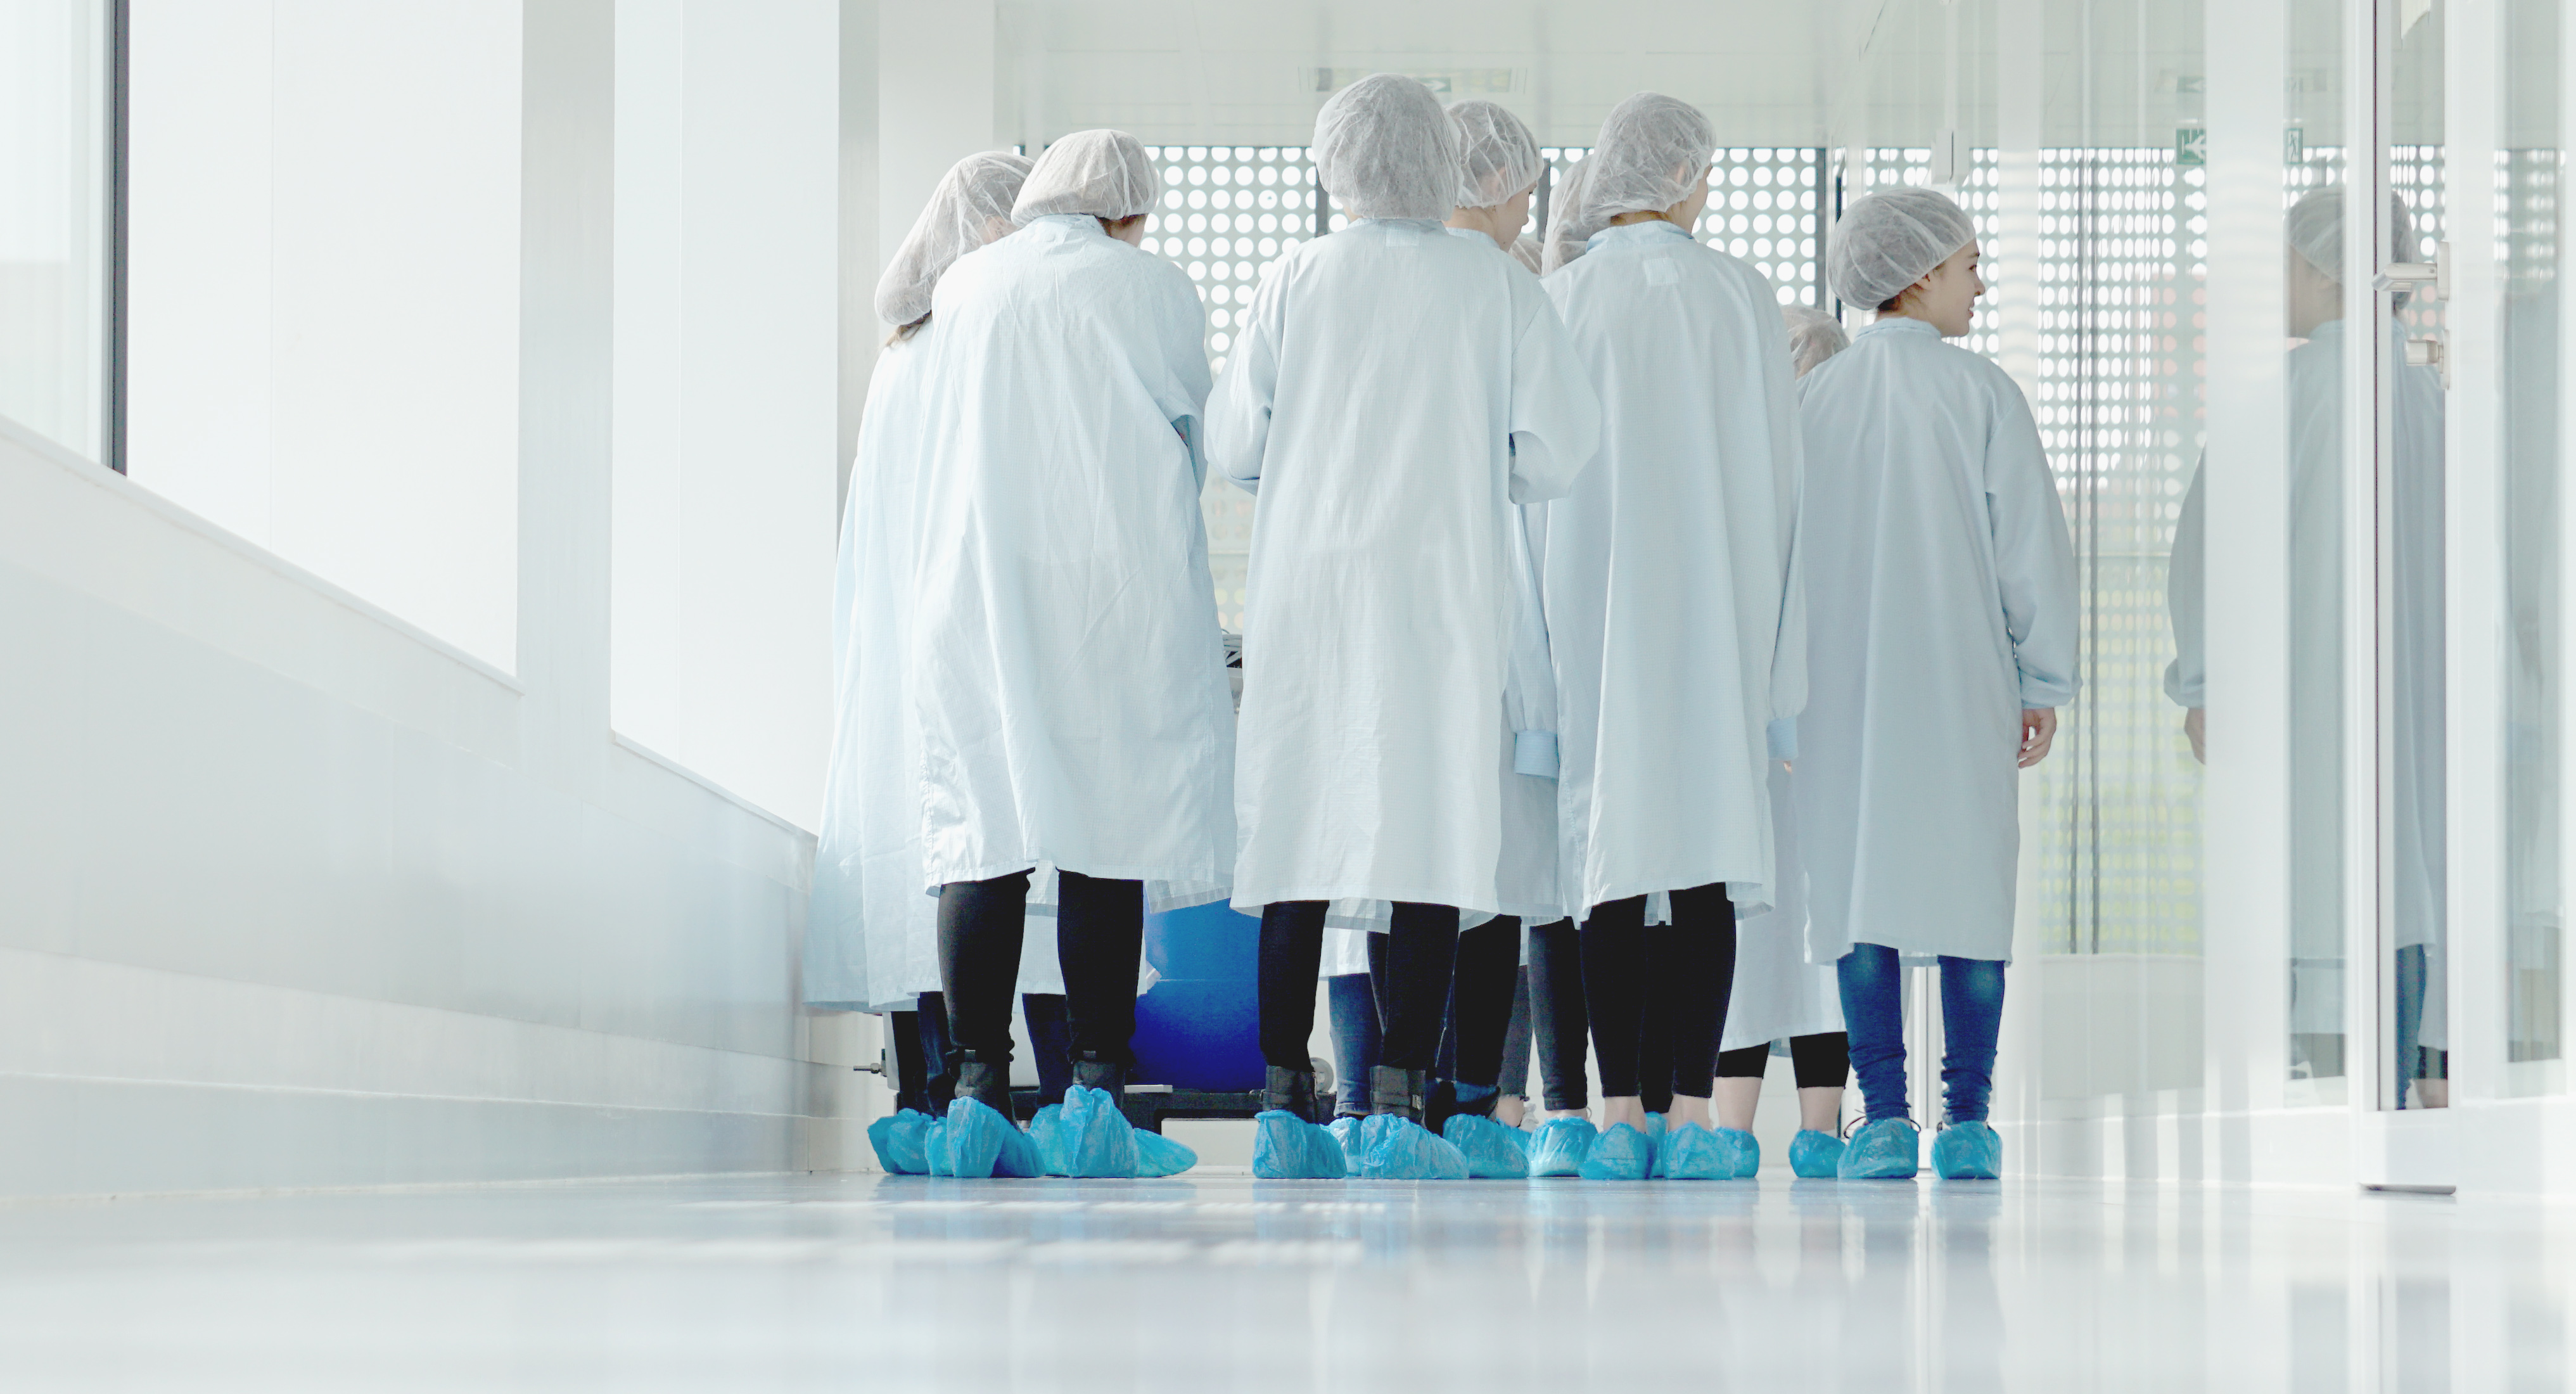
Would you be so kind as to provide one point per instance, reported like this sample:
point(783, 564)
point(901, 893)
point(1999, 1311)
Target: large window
point(323, 332)
point(54, 220)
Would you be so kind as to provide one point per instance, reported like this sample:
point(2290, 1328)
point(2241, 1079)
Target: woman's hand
point(2038, 729)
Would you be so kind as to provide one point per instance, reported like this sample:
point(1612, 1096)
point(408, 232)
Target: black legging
point(1559, 1018)
point(1822, 1061)
point(1100, 933)
point(1480, 1001)
point(1421, 949)
point(1689, 965)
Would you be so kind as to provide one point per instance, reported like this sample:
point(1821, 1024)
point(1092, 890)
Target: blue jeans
point(1355, 1040)
point(1972, 1012)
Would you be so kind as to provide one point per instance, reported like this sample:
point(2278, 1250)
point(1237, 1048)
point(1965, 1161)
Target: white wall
point(727, 404)
point(301, 894)
point(325, 331)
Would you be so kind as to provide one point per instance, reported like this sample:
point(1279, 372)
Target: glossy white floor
point(1221, 1282)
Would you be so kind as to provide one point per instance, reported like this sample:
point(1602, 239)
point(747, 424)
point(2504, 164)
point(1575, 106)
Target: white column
point(2473, 589)
point(935, 103)
point(2245, 803)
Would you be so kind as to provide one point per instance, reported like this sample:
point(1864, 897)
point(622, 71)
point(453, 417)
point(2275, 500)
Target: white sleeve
point(1238, 432)
point(1529, 689)
point(1184, 395)
point(1555, 415)
point(2034, 558)
point(2186, 589)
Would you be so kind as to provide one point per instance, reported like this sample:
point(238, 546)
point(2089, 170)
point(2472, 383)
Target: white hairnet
point(1888, 240)
point(971, 207)
point(1497, 155)
point(1385, 149)
point(1814, 336)
point(1652, 150)
point(1106, 174)
point(2316, 231)
point(1525, 251)
point(1568, 227)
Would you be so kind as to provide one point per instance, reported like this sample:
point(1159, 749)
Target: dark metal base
point(1147, 1106)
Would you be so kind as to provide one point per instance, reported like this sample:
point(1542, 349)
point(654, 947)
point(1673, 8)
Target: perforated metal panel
point(1228, 212)
point(1765, 205)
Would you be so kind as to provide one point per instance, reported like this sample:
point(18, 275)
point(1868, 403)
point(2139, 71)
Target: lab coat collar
point(1075, 223)
point(1650, 231)
point(1901, 324)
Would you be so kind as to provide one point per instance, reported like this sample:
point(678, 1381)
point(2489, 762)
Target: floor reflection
point(1226, 1283)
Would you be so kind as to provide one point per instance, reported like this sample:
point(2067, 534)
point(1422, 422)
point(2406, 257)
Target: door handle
point(2431, 353)
point(2426, 281)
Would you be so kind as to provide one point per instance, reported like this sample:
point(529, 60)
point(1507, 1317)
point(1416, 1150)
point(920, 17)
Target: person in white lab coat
point(870, 936)
point(1673, 621)
point(1395, 391)
point(1780, 993)
point(1942, 616)
point(1499, 168)
point(870, 933)
point(2314, 308)
point(1067, 669)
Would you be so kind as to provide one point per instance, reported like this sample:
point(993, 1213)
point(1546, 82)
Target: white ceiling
point(1769, 72)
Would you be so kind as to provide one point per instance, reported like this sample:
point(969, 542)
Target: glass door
point(2413, 372)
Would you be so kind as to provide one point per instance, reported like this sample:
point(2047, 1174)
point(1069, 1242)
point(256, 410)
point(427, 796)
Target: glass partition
point(2313, 275)
point(2531, 167)
point(2414, 1026)
point(54, 229)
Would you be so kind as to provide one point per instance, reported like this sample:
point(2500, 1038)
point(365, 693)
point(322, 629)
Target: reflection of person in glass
point(2318, 497)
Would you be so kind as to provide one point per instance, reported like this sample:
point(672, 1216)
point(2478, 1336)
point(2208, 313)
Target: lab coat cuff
point(1534, 753)
point(2038, 693)
point(1783, 732)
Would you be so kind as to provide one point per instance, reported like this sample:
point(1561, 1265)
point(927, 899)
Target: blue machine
point(1199, 1028)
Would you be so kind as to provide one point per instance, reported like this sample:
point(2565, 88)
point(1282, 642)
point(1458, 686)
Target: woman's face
point(1947, 298)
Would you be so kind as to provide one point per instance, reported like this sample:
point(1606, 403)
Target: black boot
point(1400, 1092)
point(1444, 1104)
point(1093, 1071)
point(989, 1084)
point(1290, 1091)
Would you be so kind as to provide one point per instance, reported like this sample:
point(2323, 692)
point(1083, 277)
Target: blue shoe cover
point(934, 1148)
point(1693, 1153)
point(898, 1143)
point(1744, 1147)
point(1967, 1152)
point(1399, 1149)
point(1095, 1135)
point(1883, 1150)
point(1494, 1152)
point(1157, 1155)
point(983, 1143)
point(1561, 1146)
point(1346, 1130)
point(1656, 1126)
point(1286, 1147)
point(1621, 1153)
point(1814, 1155)
point(1047, 1131)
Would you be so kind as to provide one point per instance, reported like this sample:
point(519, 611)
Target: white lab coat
point(1941, 602)
point(1672, 609)
point(1067, 668)
point(1525, 878)
point(2318, 500)
point(871, 933)
point(1779, 992)
point(1392, 393)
